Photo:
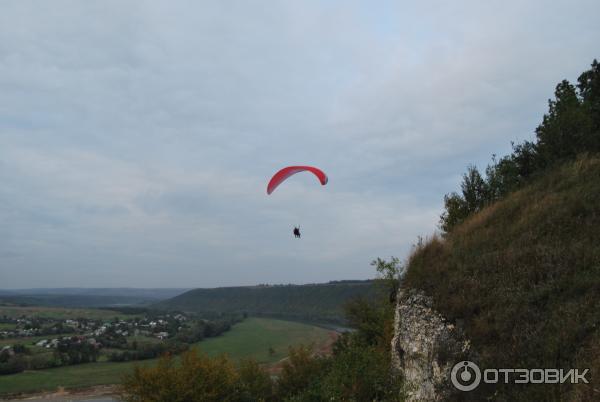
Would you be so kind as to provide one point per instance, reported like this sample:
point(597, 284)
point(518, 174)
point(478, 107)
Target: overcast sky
point(137, 138)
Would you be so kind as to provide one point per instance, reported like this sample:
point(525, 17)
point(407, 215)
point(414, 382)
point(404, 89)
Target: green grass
point(523, 278)
point(79, 376)
point(253, 337)
point(7, 325)
point(250, 338)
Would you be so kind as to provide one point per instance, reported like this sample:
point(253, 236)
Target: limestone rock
point(425, 348)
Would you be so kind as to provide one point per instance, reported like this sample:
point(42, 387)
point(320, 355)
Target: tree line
point(570, 127)
point(358, 369)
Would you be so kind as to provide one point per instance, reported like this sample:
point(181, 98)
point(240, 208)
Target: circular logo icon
point(465, 376)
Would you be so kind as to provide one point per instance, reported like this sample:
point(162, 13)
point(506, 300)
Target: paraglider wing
point(286, 172)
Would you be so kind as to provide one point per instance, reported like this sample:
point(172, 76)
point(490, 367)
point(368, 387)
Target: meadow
point(265, 340)
point(60, 313)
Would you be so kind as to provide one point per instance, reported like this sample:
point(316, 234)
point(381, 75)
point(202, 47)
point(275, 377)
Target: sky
point(137, 138)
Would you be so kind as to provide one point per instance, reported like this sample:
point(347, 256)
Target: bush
point(15, 364)
point(197, 378)
point(148, 351)
point(254, 382)
point(301, 374)
point(361, 373)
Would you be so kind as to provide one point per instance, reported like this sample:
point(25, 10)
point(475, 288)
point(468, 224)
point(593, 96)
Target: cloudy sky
point(137, 138)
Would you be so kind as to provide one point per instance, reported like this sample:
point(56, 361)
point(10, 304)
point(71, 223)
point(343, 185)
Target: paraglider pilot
point(296, 232)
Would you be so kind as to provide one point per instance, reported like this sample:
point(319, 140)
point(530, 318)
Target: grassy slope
point(315, 302)
point(524, 277)
point(250, 338)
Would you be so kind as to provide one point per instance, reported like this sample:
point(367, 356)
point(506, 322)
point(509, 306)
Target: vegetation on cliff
point(520, 270)
point(570, 127)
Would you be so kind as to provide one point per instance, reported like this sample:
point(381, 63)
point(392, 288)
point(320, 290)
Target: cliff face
point(425, 348)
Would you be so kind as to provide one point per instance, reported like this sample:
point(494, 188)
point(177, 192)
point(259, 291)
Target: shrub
point(254, 383)
point(197, 378)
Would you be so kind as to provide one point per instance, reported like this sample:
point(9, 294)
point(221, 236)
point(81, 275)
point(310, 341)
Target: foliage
point(301, 374)
point(570, 127)
point(310, 303)
point(12, 365)
point(196, 378)
point(358, 370)
point(205, 329)
point(254, 383)
point(523, 277)
point(388, 274)
point(75, 351)
point(247, 340)
point(361, 373)
point(148, 351)
point(369, 319)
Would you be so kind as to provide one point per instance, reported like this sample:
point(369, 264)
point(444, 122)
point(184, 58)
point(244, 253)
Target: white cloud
point(136, 139)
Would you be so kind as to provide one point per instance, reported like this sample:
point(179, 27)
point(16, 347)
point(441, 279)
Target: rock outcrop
point(425, 348)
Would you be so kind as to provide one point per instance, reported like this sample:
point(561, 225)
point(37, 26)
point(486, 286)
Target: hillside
point(86, 297)
point(74, 300)
point(522, 279)
point(313, 302)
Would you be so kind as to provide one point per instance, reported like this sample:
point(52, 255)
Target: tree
point(564, 130)
point(474, 189)
point(197, 378)
point(589, 91)
point(455, 211)
point(358, 370)
point(361, 374)
point(570, 127)
point(388, 273)
point(301, 373)
point(475, 195)
point(255, 383)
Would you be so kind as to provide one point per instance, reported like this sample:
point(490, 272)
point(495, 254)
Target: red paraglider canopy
point(286, 172)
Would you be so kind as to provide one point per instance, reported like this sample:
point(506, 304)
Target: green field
point(250, 338)
point(253, 337)
point(61, 313)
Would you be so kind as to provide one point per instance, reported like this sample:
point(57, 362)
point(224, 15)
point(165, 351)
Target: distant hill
point(314, 302)
point(86, 297)
point(147, 293)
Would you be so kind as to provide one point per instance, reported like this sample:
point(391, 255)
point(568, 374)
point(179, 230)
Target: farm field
point(254, 336)
point(251, 338)
point(60, 312)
